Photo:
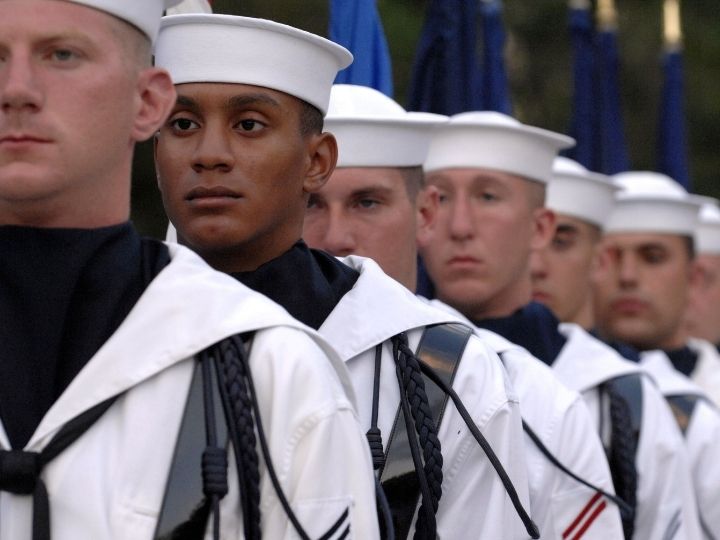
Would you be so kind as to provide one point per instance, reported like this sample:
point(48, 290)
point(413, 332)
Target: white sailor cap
point(652, 202)
point(577, 192)
point(144, 14)
point(372, 130)
point(707, 235)
point(230, 49)
point(190, 6)
point(491, 140)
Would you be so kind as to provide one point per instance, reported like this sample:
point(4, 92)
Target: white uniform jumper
point(665, 502)
point(707, 371)
point(474, 503)
point(561, 506)
point(110, 483)
point(702, 438)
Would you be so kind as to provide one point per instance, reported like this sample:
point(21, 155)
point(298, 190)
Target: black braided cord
point(264, 446)
point(530, 527)
point(233, 374)
point(413, 386)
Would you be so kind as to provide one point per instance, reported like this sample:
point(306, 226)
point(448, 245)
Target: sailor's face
point(703, 315)
point(479, 251)
point(68, 101)
point(561, 271)
point(231, 161)
point(641, 293)
point(368, 212)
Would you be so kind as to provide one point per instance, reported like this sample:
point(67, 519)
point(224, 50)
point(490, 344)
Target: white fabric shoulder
point(707, 372)
point(586, 362)
point(374, 310)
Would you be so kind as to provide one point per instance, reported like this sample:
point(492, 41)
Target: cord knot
point(214, 471)
point(19, 471)
point(377, 451)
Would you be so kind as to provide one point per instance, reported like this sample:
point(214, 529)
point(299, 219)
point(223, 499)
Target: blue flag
point(582, 128)
point(446, 75)
point(495, 87)
point(355, 24)
point(611, 143)
point(672, 147)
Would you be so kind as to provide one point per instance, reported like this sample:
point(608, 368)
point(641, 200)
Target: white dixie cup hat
point(495, 141)
point(242, 50)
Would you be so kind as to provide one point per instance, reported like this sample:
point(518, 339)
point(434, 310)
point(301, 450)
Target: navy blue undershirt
point(533, 327)
point(684, 359)
point(63, 293)
point(626, 351)
point(308, 283)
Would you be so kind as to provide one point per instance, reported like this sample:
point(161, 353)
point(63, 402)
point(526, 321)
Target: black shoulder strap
point(683, 407)
point(185, 509)
point(441, 347)
point(629, 388)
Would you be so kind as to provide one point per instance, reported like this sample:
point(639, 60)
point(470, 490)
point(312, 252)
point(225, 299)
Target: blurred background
point(538, 58)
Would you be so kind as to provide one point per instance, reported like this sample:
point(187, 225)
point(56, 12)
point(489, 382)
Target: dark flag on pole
point(584, 116)
point(611, 143)
point(356, 25)
point(495, 87)
point(446, 75)
point(672, 146)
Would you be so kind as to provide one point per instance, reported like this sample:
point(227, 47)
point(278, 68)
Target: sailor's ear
point(428, 201)
point(322, 155)
point(544, 221)
point(155, 98)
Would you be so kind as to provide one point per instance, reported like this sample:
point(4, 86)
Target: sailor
point(105, 334)
point(373, 205)
point(702, 318)
point(561, 275)
point(640, 298)
point(237, 161)
point(492, 173)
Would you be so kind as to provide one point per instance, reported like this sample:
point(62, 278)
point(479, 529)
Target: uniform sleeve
point(703, 443)
point(567, 508)
point(474, 498)
point(665, 501)
point(318, 449)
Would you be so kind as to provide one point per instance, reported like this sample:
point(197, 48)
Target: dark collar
point(63, 293)
point(533, 327)
point(626, 351)
point(684, 359)
point(308, 283)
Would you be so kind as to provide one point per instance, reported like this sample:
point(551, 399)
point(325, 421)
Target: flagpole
point(611, 143)
point(607, 15)
point(672, 141)
point(672, 30)
point(579, 4)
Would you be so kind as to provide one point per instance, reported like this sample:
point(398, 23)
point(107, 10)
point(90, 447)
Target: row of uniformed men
point(245, 171)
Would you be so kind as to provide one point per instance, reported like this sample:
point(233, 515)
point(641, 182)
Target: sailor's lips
point(215, 196)
point(628, 305)
point(22, 140)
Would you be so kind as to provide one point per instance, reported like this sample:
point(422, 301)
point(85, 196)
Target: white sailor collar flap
point(374, 310)
point(185, 309)
point(586, 362)
point(670, 381)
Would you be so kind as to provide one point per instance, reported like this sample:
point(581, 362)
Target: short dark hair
point(690, 247)
point(311, 119)
point(414, 179)
point(536, 193)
